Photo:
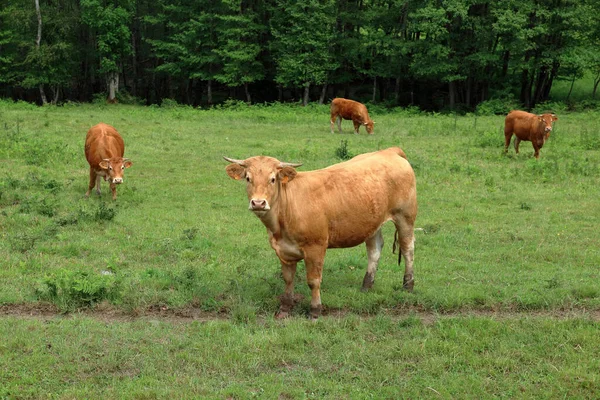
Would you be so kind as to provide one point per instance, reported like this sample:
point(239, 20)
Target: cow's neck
point(271, 221)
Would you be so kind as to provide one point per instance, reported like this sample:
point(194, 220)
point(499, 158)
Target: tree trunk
point(37, 43)
point(571, 88)
point(374, 89)
point(596, 82)
point(113, 87)
point(397, 91)
point(323, 94)
point(248, 98)
point(306, 92)
point(452, 93)
point(209, 98)
point(55, 91)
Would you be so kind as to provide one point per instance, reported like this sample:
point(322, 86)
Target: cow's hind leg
point(339, 123)
point(314, 257)
point(507, 137)
point(517, 141)
point(332, 120)
point(406, 240)
point(374, 246)
point(288, 270)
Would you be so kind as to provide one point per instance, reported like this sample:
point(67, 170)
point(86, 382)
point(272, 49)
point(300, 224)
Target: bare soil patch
point(108, 313)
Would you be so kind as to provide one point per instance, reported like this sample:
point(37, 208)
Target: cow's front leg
point(356, 127)
point(113, 189)
point(314, 257)
point(288, 270)
point(339, 123)
point(374, 246)
point(92, 182)
point(98, 181)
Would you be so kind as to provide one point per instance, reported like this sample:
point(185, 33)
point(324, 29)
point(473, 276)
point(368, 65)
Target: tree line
point(435, 54)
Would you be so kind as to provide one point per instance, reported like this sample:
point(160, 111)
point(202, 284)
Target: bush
point(500, 106)
point(342, 152)
point(71, 290)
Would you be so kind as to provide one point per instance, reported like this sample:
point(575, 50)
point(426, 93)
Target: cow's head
point(547, 120)
point(369, 126)
point(114, 168)
point(264, 177)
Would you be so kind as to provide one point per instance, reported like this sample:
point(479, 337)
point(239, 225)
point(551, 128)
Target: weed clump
point(342, 151)
point(72, 290)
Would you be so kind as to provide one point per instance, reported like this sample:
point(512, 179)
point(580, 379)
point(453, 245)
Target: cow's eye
point(272, 180)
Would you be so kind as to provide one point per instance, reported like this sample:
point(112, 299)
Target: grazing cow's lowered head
point(369, 126)
point(263, 176)
point(114, 168)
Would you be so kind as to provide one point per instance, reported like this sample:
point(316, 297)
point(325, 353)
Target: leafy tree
point(302, 40)
point(109, 21)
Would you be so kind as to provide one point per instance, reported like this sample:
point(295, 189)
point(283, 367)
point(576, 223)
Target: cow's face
point(114, 168)
point(547, 120)
point(264, 177)
point(369, 126)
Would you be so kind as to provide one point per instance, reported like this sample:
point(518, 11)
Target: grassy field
point(501, 239)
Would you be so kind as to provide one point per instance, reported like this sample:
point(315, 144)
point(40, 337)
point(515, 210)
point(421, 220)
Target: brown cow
point(104, 149)
point(529, 127)
point(341, 206)
point(350, 109)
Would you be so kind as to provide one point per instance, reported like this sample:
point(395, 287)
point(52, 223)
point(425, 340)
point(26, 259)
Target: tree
point(109, 21)
point(238, 48)
point(302, 41)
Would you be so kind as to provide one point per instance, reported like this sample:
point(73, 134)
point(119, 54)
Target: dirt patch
point(109, 313)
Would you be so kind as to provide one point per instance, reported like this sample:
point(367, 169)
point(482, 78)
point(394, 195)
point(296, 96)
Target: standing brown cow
point(341, 206)
point(529, 127)
point(104, 149)
point(350, 109)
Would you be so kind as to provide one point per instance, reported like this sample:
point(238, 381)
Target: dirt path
point(109, 313)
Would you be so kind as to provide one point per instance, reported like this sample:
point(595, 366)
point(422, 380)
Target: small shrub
point(104, 213)
point(342, 151)
point(71, 290)
point(169, 103)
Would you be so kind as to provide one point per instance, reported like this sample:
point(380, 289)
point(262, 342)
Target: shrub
point(342, 152)
point(71, 290)
point(501, 106)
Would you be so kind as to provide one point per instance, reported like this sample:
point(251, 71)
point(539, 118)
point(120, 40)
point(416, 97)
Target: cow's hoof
point(367, 283)
point(315, 312)
point(282, 315)
point(409, 283)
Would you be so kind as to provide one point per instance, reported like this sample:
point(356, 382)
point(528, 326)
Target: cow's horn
point(106, 159)
point(231, 160)
point(289, 164)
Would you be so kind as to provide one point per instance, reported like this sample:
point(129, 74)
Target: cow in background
point(350, 109)
point(529, 127)
point(104, 150)
point(340, 206)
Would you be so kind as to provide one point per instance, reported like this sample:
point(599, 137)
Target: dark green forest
point(433, 54)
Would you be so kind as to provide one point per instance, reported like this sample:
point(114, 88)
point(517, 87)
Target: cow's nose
point(548, 128)
point(258, 204)
point(118, 181)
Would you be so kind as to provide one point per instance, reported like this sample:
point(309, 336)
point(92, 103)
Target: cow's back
point(521, 123)
point(351, 200)
point(101, 142)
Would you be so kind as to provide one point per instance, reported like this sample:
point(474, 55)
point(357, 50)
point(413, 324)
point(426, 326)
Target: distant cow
point(104, 149)
point(528, 127)
point(341, 206)
point(350, 109)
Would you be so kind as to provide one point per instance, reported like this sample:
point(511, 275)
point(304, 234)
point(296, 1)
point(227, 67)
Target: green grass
point(334, 358)
point(497, 233)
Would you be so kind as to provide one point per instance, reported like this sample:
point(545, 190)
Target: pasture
point(506, 262)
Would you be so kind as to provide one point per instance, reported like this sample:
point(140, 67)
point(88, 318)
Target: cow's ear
point(103, 164)
point(286, 174)
point(554, 117)
point(235, 171)
point(127, 164)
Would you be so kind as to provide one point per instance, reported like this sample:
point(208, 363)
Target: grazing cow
point(104, 149)
point(341, 206)
point(350, 109)
point(529, 127)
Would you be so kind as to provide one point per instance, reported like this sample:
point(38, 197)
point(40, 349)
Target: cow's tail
point(395, 245)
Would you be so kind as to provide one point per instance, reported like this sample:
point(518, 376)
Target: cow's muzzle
point(117, 181)
point(259, 205)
